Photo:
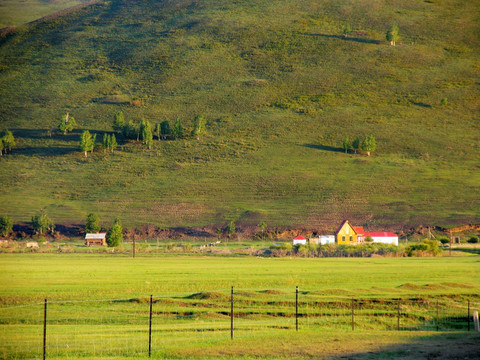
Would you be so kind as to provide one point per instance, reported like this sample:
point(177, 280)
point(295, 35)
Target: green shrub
point(444, 240)
point(473, 240)
point(6, 225)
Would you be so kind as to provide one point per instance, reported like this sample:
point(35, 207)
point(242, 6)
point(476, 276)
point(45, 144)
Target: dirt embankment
point(65, 231)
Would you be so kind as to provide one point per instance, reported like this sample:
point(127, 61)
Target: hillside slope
point(281, 88)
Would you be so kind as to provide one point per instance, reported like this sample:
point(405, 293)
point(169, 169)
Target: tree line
point(368, 144)
point(142, 131)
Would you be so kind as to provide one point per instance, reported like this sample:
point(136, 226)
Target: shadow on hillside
point(324, 147)
point(346, 38)
point(45, 151)
point(427, 106)
point(193, 232)
point(55, 134)
point(458, 345)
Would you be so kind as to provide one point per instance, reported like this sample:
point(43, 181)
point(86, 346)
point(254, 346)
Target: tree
point(356, 144)
point(113, 143)
point(114, 235)
point(7, 141)
point(262, 227)
point(165, 129)
point(392, 34)
point(67, 124)
point(6, 225)
point(157, 131)
point(42, 223)
point(177, 130)
point(444, 102)
point(94, 140)
point(87, 142)
point(368, 239)
point(105, 142)
point(231, 229)
point(198, 126)
point(130, 130)
point(369, 144)
point(347, 144)
point(92, 223)
point(346, 30)
point(146, 131)
point(118, 122)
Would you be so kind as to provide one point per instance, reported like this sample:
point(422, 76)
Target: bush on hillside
point(473, 240)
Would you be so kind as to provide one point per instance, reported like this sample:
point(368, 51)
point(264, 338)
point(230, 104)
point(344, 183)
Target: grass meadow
point(98, 306)
point(281, 88)
point(16, 13)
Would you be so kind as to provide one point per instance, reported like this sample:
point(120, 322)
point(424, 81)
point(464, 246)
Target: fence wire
point(121, 327)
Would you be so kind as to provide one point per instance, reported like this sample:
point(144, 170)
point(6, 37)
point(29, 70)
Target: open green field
point(15, 13)
point(98, 306)
point(281, 88)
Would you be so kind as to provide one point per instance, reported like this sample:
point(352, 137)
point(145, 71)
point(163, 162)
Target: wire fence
point(157, 324)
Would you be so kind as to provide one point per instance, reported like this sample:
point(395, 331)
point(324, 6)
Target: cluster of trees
point(114, 235)
point(109, 142)
point(368, 144)
point(7, 141)
point(41, 223)
point(392, 34)
point(144, 130)
point(67, 124)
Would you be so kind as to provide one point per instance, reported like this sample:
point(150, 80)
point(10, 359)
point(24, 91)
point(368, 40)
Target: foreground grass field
point(98, 306)
point(80, 276)
point(280, 87)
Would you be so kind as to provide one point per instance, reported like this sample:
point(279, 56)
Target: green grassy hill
point(281, 88)
point(14, 12)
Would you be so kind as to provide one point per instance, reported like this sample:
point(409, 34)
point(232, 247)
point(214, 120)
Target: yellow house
point(346, 234)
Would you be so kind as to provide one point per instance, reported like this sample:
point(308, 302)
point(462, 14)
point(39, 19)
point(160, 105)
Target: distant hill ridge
point(282, 85)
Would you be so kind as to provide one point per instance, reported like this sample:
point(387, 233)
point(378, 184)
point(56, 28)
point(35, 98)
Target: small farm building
point(300, 240)
point(323, 240)
point(383, 237)
point(32, 244)
point(99, 239)
point(346, 234)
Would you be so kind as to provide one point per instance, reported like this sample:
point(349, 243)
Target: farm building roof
point(299, 237)
point(95, 236)
point(380, 234)
point(359, 230)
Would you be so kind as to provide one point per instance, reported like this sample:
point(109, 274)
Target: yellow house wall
point(349, 234)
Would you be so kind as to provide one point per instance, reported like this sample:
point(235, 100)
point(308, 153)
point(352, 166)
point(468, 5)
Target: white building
point(300, 240)
point(383, 237)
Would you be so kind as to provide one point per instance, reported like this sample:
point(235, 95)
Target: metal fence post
point(44, 329)
point(231, 314)
point(398, 315)
point(150, 329)
point(296, 309)
point(353, 316)
point(468, 314)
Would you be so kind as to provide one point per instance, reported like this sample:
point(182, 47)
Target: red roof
point(299, 237)
point(359, 230)
point(380, 234)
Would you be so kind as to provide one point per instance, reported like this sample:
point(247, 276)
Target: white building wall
point(386, 240)
point(326, 239)
point(301, 242)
